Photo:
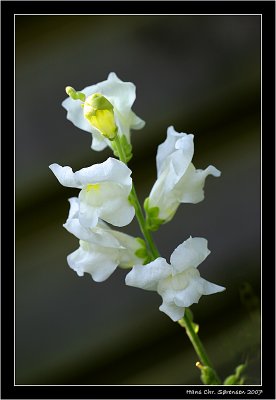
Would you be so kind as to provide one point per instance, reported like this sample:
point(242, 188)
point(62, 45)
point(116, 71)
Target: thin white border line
point(14, 202)
point(125, 15)
point(261, 15)
point(261, 198)
point(243, 388)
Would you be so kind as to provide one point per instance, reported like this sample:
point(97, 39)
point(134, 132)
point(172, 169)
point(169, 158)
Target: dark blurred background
point(200, 74)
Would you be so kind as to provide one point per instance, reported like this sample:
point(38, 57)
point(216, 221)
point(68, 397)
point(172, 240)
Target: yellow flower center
point(92, 186)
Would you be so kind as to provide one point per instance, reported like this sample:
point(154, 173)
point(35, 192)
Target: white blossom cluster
point(104, 110)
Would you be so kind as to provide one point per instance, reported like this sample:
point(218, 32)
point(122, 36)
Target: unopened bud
point(99, 113)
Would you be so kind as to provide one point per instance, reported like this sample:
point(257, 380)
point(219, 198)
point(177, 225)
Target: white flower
point(104, 191)
point(177, 179)
point(121, 95)
point(101, 248)
point(179, 284)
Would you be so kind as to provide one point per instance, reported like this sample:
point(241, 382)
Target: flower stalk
point(108, 196)
point(186, 320)
point(137, 206)
point(198, 347)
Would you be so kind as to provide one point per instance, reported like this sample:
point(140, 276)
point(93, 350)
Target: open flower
point(177, 179)
point(104, 191)
point(179, 284)
point(121, 96)
point(101, 249)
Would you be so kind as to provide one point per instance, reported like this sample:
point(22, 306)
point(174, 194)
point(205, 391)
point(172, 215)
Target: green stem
point(142, 223)
point(138, 209)
point(120, 150)
point(198, 346)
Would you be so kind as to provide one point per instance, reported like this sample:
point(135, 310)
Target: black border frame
point(267, 10)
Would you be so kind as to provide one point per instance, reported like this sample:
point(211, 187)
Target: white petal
point(165, 289)
point(188, 296)
point(117, 211)
point(190, 187)
point(126, 241)
point(209, 287)
point(75, 113)
point(97, 235)
point(172, 310)
point(189, 254)
point(74, 207)
point(101, 234)
point(90, 259)
point(128, 258)
point(195, 289)
point(74, 226)
point(120, 94)
point(128, 247)
point(148, 276)
point(178, 148)
point(109, 170)
point(162, 194)
point(136, 122)
point(88, 215)
point(65, 176)
point(108, 201)
point(99, 142)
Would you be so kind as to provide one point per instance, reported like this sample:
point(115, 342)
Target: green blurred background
point(200, 74)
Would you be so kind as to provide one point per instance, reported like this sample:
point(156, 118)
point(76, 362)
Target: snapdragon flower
point(179, 284)
point(177, 179)
point(105, 188)
point(120, 95)
point(102, 249)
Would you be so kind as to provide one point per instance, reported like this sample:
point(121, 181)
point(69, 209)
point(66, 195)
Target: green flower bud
point(73, 94)
point(208, 375)
point(99, 113)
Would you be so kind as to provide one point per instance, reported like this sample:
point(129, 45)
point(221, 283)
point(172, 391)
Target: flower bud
point(73, 94)
point(99, 113)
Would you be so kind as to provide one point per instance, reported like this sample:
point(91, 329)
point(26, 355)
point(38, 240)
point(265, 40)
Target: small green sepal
point(142, 252)
point(208, 375)
point(191, 318)
point(152, 221)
